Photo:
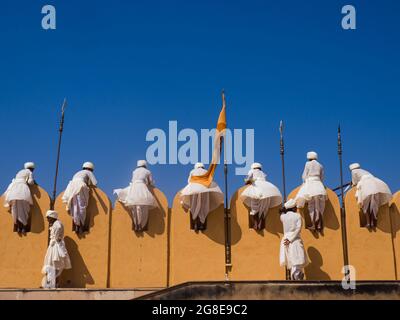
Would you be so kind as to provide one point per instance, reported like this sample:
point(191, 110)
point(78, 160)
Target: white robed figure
point(137, 196)
point(312, 191)
point(18, 197)
point(260, 195)
point(292, 253)
point(199, 199)
point(76, 196)
point(372, 193)
point(57, 258)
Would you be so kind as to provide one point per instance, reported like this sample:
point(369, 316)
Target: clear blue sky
point(129, 66)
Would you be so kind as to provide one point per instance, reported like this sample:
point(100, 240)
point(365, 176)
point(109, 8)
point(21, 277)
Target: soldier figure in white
point(77, 194)
point(57, 258)
point(260, 195)
point(138, 197)
point(313, 192)
point(199, 199)
point(372, 193)
point(18, 197)
point(292, 253)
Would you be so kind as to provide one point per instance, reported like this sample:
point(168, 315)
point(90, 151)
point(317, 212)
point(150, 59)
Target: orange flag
point(208, 177)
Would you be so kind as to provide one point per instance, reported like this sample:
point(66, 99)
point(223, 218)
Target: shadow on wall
point(236, 230)
point(79, 272)
point(313, 270)
point(395, 218)
point(36, 216)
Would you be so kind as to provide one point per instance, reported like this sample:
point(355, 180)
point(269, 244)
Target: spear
point(282, 151)
point(342, 208)
point(282, 145)
point(60, 132)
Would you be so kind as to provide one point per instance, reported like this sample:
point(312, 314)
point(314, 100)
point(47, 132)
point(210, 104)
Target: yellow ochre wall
point(169, 253)
point(196, 256)
point(140, 259)
point(21, 257)
point(255, 254)
point(324, 251)
point(89, 253)
point(395, 219)
point(370, 252)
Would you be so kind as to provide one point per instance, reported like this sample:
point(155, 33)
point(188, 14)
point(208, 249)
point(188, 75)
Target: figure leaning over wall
point(199, 199)
point(259, 196)
point(137, 196)
point(371, 194)
point(313, 192)
point(18, 197)
point(76, 196)
point(57, 258)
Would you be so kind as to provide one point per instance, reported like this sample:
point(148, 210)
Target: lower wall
point(74, 294)
point(279, 290)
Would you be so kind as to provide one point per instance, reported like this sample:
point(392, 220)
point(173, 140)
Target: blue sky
point(129, 66)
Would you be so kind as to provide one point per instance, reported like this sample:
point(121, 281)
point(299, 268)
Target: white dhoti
point(294, 258)
point(201, 200)
point(76, 196)
point(260, 197)
point(372, 193)
point(18, 197)
point(297, 273)
point(20, 211)
point(138, 198)
point(314, 194)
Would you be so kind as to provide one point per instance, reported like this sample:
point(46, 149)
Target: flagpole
point(60, 132)
point(342, 207)
point(227, 217)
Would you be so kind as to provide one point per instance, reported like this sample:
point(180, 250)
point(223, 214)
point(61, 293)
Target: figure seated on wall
point(199, 199)
point(292, 252)
point(259, 196)
point(312, 192)
point(77, 195)
point(137, 196)
point(57, 258)
point(18, 198)
point(371, 194)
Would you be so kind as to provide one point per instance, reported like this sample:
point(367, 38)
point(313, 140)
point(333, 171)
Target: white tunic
point(260, 189)
point(56, 256)
point(79, 183)
point(138, 193)
point(313, 175)
point(19, 188)
point(368, 185)
point(294, 254)
point(200, 199)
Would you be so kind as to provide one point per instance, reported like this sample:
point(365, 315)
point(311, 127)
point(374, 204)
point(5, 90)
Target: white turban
point(354, 166)
point(88, 165)
point(52, 214)
point(256, 165)
point(312, 155)
point(142, 163)
point(29, 165)
point(199, 165)
point(291, 203)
